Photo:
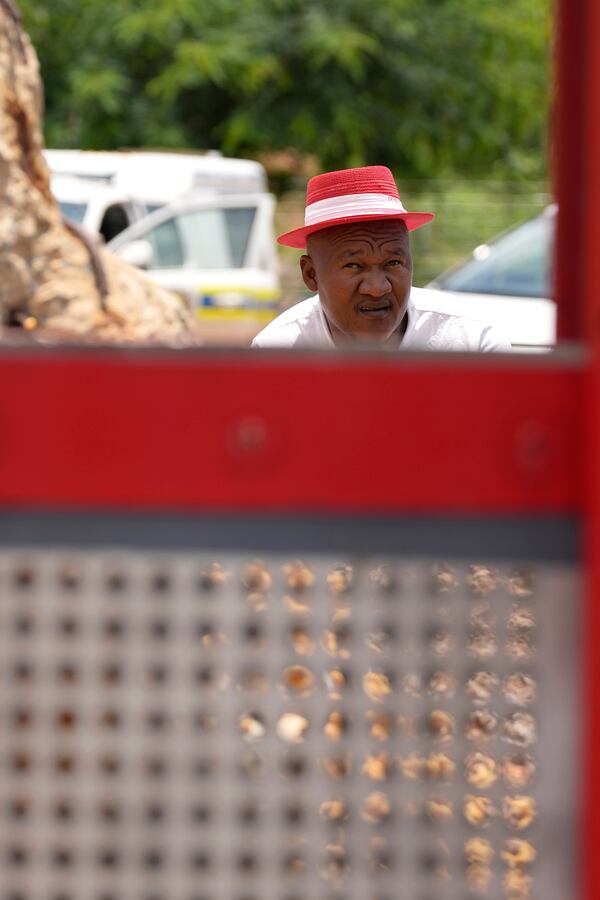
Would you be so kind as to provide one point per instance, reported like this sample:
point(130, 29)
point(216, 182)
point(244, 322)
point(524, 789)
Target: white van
point(97, 207)
point(200, 225)
point(216, 250)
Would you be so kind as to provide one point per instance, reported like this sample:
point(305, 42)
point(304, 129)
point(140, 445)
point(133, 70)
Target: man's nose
point(375, 284)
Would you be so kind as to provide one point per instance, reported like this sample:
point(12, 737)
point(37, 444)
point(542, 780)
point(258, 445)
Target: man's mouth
point(376, 309)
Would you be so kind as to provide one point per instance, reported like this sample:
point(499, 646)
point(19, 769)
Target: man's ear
point(309, 273)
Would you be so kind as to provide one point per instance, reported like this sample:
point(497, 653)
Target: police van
point(199, 224)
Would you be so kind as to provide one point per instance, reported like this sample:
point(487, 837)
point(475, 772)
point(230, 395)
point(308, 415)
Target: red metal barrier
point(429, 434)
point(320, 434)
point(586, 186)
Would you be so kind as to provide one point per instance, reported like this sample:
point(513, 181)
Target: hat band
point(351, 205)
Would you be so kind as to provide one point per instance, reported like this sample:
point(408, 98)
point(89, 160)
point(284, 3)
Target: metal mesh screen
point(185, 727)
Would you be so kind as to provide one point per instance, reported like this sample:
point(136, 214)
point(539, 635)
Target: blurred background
point(452, 95)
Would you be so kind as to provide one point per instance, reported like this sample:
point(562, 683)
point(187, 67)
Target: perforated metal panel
point(181, 726)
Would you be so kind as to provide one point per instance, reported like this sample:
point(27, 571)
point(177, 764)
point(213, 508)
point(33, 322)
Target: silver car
point(508, 283)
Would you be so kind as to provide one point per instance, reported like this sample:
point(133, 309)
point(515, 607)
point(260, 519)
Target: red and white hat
point(351, 195)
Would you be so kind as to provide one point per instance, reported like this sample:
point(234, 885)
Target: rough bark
point(51, 276)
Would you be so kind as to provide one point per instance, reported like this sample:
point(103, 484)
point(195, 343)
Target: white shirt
point(428, 328)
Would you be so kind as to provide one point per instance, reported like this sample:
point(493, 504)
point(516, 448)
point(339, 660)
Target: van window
point(74, 212)
point(114, 221)
point(166, 245)
point(203, 239)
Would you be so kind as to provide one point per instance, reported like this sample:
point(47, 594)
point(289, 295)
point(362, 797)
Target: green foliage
point(429, 87)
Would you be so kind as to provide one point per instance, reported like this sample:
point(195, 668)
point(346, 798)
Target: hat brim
point(297, 237)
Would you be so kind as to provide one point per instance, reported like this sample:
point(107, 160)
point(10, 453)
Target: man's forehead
point(356, 235)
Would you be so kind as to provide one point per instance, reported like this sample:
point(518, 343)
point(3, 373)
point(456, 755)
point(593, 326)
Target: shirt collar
point(326, 333)
point(410, 325)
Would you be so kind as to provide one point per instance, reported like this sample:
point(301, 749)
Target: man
point(359, 267)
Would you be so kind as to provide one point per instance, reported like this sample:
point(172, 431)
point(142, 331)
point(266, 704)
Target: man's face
point(362, 273)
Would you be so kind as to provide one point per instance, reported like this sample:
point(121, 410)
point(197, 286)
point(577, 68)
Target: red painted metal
point(247, 432)
point(589, 192)
point(567, 158)
point(590, 776)
point(258, 433)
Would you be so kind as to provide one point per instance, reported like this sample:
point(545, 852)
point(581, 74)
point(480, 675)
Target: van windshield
point(75, 212)
point(203, 238)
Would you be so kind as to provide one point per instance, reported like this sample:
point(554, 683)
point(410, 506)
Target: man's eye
point(396, 262)
point(352, 265)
